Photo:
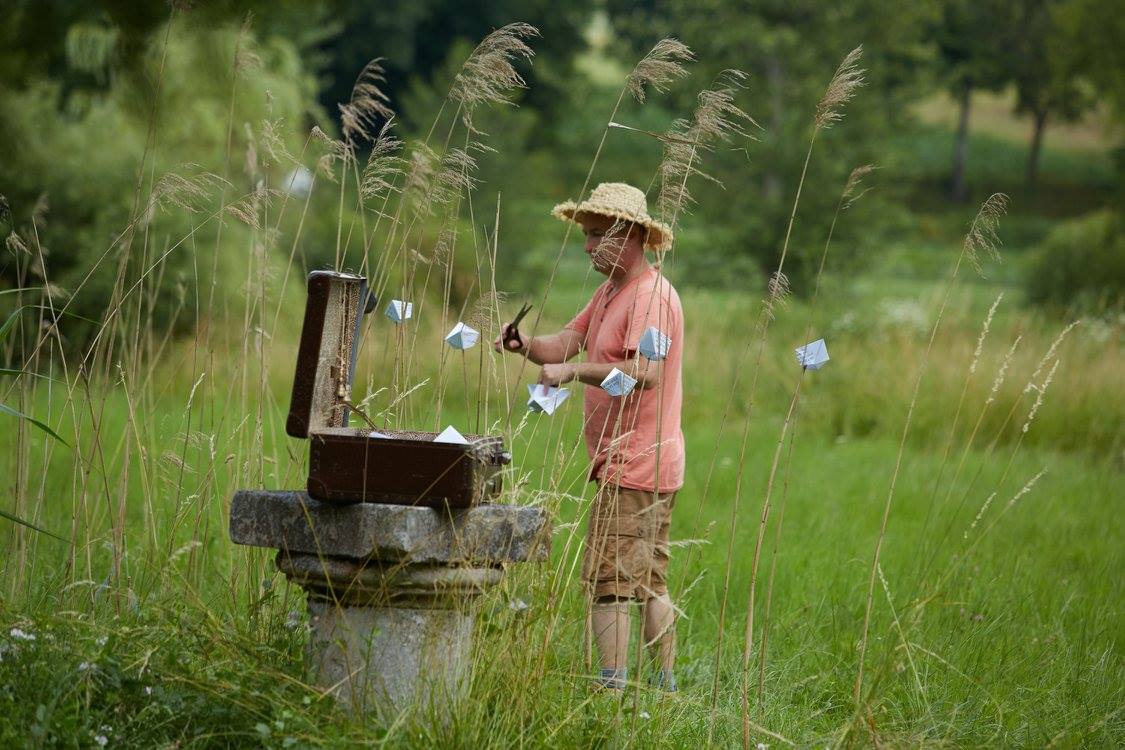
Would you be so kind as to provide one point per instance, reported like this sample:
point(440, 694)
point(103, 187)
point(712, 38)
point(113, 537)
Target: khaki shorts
point(627, 543)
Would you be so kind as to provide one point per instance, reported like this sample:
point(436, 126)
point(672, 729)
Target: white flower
point(85, 666)
point(645, 715)
point(147, 690)
point(102, 640)
point(21, 635)
point(761, 746)
point(101, 739)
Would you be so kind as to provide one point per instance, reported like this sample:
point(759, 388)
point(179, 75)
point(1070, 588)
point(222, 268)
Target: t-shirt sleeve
point(651, 308)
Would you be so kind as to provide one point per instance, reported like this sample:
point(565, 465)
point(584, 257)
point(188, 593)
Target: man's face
point(610, 243)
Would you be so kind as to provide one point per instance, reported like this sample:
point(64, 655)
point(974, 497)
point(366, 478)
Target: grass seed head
point(367, 104)
point(841, 89)
point(384, 165)
point(716, 118)
point(662, 65)
point(852, 191)
point(981, 238)
point(489, 75)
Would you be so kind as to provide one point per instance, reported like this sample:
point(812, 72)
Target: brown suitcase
point(346, 464)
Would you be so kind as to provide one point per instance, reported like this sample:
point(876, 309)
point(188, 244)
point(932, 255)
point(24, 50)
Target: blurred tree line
point(90, 92)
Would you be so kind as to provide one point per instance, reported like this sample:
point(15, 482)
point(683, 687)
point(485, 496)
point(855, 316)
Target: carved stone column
point(389, 588)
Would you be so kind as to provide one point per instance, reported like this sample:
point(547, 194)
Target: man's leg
point(610, 620)
point(660, 631)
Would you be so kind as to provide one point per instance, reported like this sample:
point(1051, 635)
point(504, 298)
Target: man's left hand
point(558, 374)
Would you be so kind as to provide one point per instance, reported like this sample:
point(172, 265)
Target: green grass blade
point(11, 321)
point(21, 289)
point(16, 519)
point(17, 373)
point(20, 415)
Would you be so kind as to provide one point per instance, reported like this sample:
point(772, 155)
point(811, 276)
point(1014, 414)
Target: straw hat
point(618, 200)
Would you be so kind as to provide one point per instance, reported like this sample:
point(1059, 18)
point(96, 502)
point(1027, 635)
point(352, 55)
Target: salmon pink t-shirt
point(634, 441)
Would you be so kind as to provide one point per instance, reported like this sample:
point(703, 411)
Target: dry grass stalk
point(764, 329)
point(1047, 357)
point(852, 191)
point(1041, 391)
point(763, 332)
point(269, 137)
point(384, 166)
point(981, 238)
point(367, 104)
point(246, 58)
point(841, 89)
point(188, 191)
point(981, 230)
point(984, 333)
point(716, 118)
point(1002, 371)
point(848, 196)
point(660, 67)
point(488, 76)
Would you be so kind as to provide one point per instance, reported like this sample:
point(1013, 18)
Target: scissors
point(511, 333)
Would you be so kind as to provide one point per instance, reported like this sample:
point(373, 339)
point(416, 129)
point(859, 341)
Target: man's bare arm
point(648, 374)
point(551, 349)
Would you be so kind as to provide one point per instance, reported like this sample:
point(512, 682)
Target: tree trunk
point(1039, 124)
point(958, 190)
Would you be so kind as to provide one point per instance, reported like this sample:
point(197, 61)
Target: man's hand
point(558, 374)
point(513, 346)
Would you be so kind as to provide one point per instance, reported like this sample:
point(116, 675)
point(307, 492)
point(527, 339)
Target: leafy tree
point(773, 42)
point(969, 35)
point(1045, 69)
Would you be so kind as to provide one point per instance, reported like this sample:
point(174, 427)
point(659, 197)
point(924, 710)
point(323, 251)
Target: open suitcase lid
point(327, 353)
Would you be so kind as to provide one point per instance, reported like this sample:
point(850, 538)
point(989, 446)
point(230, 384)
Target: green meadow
point(939, 519)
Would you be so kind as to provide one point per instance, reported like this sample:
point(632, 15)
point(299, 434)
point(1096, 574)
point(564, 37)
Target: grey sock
point(614, 679)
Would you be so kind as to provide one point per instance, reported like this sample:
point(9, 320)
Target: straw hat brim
point(658, 235)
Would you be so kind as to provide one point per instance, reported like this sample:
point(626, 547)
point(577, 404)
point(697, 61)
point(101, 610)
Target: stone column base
point(389, 638)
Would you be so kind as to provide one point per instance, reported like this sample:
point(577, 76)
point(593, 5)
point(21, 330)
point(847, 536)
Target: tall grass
point(139, 623)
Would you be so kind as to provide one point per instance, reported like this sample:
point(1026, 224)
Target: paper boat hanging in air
point(812, 356)
point(618, 383)
point(546, 399)
point(398, 310)
point(462, 337)
point(654, 344)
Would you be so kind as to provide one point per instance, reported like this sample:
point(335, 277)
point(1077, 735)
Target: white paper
point(398, 310)
point(462, 337)
point(451, 435)
point(618, 383)
point(546, 399)
point(654, 344)
point(812, 356)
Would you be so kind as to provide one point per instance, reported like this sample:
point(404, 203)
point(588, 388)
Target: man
point(634, 442)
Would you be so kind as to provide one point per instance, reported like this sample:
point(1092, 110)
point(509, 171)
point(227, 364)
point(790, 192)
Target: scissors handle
point(511, 333)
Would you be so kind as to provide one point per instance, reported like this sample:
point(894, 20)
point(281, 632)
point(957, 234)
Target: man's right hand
point(513, 345)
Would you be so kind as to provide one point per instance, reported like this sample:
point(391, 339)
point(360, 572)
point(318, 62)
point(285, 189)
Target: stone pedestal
point(389, 588)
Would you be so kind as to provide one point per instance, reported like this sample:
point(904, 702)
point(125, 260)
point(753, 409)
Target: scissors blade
point(522, 313)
